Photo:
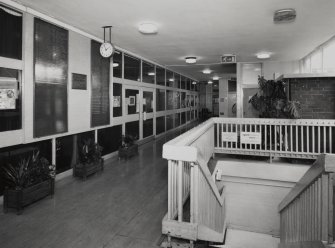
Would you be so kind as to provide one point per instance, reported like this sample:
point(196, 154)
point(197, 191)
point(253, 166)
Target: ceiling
point(202, 28)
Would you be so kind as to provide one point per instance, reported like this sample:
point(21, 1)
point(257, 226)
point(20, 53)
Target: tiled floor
point(122, 207)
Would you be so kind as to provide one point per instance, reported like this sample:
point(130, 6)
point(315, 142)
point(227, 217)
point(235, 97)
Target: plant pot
point(19, 198)
point(83, 170)
point(127, 152)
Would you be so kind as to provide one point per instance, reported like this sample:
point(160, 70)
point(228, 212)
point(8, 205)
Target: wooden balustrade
point(189, 175)
point(306, 213)
point(274, 137)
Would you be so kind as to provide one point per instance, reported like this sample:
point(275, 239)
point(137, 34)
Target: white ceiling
point(202, 28)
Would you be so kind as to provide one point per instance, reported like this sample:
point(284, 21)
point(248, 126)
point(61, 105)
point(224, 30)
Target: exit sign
point(228, 58)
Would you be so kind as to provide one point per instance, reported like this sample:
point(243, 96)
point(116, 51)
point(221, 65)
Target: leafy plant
point(28, 171)
point(271, 101)
point(90, 151)
point(127, 140)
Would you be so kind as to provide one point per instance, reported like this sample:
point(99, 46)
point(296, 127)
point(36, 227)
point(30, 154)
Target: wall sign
point(79, 81)
point(116, 101)
point(7, 98)
point(229, 137)
point(251, 138)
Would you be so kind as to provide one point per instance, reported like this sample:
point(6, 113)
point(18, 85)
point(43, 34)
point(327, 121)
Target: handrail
point(324, 163)
point(306, 213)
point(302, 138)
point(188, 155)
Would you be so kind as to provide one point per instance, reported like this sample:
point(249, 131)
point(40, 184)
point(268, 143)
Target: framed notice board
point(79, 81)
point(50, 91)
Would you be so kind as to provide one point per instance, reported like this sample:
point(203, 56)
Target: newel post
point(194, 193)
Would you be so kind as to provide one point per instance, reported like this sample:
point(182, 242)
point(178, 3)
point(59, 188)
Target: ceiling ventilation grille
point(284, 16)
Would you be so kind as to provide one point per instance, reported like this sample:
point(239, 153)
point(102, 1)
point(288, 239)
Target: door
point(248, 109)
point(139, 111)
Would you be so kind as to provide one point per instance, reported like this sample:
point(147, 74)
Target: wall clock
point(107, 49)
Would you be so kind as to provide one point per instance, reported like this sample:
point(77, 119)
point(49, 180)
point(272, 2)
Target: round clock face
point(106, 50)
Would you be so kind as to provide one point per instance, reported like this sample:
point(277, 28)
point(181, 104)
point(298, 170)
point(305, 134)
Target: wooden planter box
point(18, 199)
point(84, 170)
point(127, 152)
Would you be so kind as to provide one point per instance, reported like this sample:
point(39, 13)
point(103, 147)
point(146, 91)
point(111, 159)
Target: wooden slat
point(322, 164)
point(324, 208)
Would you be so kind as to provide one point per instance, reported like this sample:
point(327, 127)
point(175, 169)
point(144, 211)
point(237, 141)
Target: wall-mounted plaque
point(251, 138)
point(79, 81)
point(229, 137)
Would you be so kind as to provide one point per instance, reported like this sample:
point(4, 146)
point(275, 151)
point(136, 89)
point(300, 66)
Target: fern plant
point(28, 171)
point(271, 100)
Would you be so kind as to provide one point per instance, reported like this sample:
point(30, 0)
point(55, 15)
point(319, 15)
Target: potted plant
point(272, 101)
point(29, 180)
point(90, 160)
point(128, 147)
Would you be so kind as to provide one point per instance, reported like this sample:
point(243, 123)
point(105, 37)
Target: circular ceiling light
point(206, 71)
point(151, 74)
point(148, 28)
point(194, 82)
point(210, 82)
point(115, 64)
point(215, 78)
point(171, 79)
point(191, 60)
point(263, 55)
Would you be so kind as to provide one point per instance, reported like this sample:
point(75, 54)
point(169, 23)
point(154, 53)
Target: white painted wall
point(273, 69)
point(79, 101)
point(253, 191)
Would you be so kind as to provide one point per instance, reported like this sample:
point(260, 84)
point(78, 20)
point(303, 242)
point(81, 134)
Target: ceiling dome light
point(215, 78)
point(191, 60)
point(210, 82)
point(206, 71)
point(148, 28)
point(263, 55)
point(115, 64)
point(151, 74)
point(194, 82)
point(171, 79)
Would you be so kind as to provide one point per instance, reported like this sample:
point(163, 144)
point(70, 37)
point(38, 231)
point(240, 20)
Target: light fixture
point(115, 64)
point(148, 28)
point(171, 79)
point(215, 78)
point(151, 73)
point(191, 60)
point(194, 82)
point(210, 82)
point(263, 55)
point(284, 16)
point(206, 71)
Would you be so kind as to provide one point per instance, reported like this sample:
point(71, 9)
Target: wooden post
point(180, 191)
point(194, 193)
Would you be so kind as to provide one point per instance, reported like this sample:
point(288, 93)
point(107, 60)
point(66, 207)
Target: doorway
point(139, 111)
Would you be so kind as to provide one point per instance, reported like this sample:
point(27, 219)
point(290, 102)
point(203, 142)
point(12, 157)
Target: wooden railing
point(306, 213)
point(189, 175)
point(274, 137)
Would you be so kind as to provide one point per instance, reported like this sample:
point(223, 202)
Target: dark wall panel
point(133, 129)
point(110, 139)
point(160, 125)
point(10, 34)
point(51, 74)
point(148, 128)
point(100, 87)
